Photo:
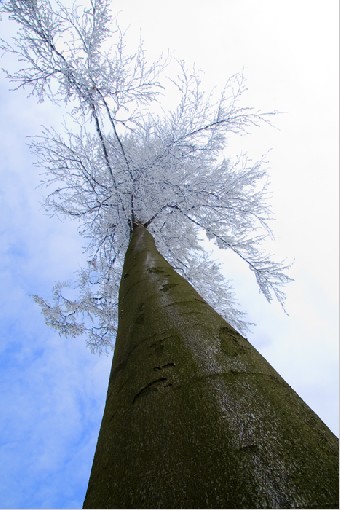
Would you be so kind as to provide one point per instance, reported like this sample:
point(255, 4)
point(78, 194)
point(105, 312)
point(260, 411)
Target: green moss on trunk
point(195, 417)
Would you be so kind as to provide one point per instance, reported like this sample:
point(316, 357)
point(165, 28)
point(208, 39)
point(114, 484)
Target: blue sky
point(52, 389)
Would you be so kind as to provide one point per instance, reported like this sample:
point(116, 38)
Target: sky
point(52, 389)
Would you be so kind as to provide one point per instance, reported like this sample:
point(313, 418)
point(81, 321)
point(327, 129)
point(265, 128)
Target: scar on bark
point(168, 286)
point(152, 387)
point(167, 365)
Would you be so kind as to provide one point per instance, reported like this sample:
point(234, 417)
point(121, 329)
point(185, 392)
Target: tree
point(123, 165)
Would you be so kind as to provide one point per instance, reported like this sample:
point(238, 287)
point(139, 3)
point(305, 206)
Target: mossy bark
point(195, 417)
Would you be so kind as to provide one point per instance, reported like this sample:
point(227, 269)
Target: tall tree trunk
point(195, 417)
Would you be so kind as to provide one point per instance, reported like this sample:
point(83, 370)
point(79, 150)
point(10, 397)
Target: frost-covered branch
point(124, 159)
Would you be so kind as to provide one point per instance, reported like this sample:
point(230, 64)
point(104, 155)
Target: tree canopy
point(125, 158)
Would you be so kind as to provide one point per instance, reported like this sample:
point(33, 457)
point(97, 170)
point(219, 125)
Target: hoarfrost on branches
point(124, 160)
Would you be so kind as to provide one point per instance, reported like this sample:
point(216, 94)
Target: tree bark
point(195, 417)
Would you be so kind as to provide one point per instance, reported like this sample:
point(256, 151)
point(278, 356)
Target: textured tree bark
point(195, 417)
